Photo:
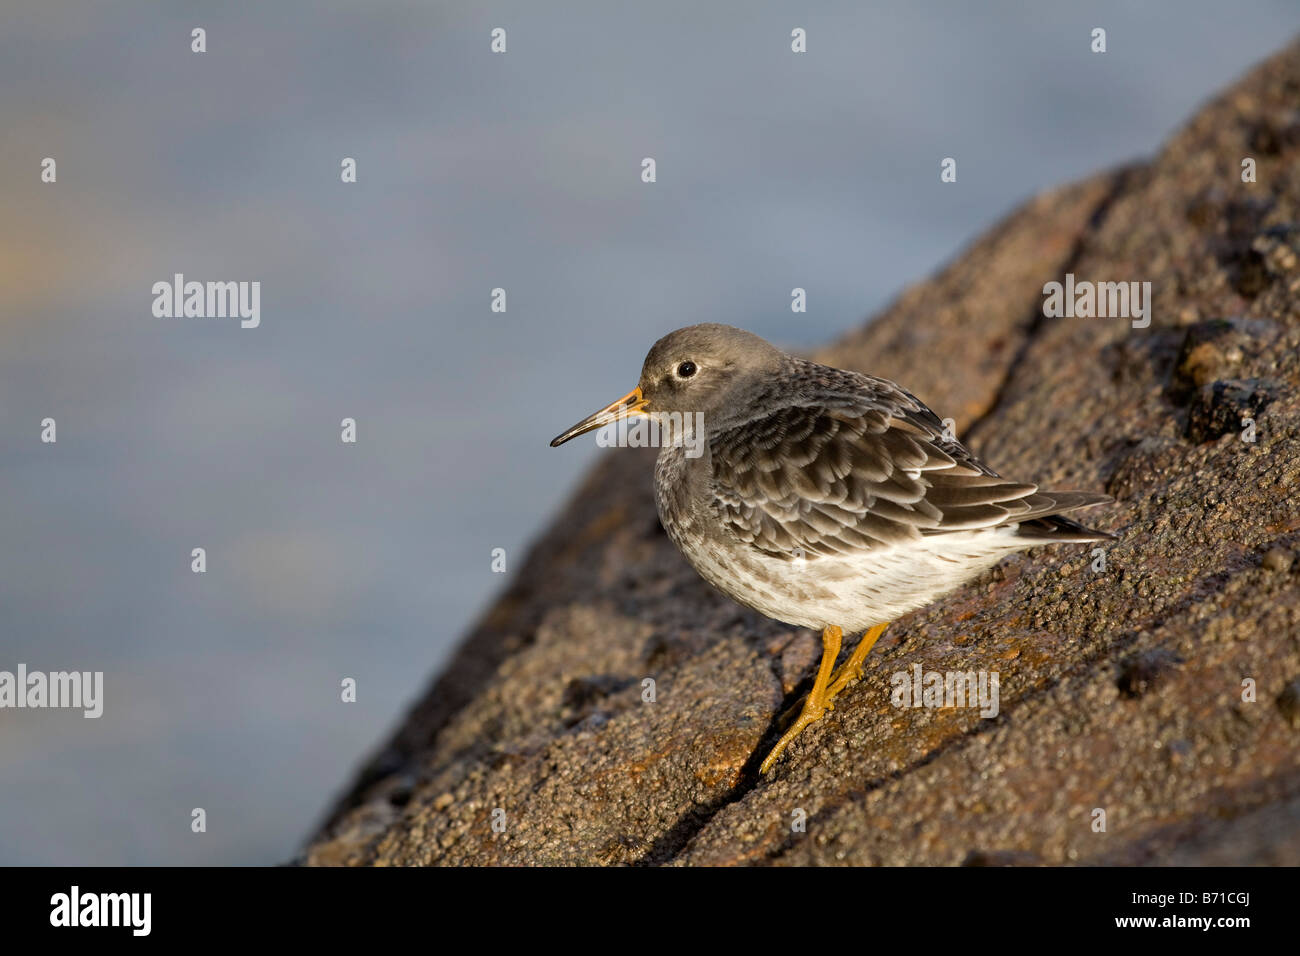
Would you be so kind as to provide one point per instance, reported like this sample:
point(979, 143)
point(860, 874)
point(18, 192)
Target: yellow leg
point(827, 687)
point(852, 668)
point(815, 705)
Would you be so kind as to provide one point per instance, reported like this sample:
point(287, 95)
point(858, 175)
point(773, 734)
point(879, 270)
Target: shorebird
point(820, 497)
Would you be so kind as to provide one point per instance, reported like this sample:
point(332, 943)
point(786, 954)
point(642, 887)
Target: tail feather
point(1048, 527)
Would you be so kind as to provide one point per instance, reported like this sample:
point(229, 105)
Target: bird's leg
point(817, 703)
point(852, 668)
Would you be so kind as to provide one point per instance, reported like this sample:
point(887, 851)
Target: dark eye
point(686, 370)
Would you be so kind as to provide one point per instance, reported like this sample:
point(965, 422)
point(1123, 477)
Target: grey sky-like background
point(476, 170)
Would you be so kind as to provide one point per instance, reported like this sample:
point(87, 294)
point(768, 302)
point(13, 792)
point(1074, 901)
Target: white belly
point(853, 592)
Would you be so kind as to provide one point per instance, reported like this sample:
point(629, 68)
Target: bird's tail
point(1048, 527)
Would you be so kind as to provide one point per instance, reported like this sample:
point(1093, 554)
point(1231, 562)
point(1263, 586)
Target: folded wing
point(867, 469)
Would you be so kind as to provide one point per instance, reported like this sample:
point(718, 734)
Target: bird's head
point(700, 368)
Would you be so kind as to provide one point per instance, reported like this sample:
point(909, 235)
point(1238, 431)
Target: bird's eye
point(686, 370)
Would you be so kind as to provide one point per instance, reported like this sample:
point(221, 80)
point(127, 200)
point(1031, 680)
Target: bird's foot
point(827, 686)
point(815, 705)
point(852, 668)
point(809, 715)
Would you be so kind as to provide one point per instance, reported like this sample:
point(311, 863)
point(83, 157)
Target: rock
point(1216, 350)
point(1288, 702)
point(1143, 671)
point(1278, 559)
point(1224, 407)
point(612, 708)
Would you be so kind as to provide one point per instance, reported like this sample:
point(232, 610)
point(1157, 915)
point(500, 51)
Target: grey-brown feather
point(854, 463)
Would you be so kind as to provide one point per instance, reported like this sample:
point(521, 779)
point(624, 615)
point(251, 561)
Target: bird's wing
point(860, 470)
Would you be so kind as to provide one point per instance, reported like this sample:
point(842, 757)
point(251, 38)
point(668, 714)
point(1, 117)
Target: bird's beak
point(633, 403)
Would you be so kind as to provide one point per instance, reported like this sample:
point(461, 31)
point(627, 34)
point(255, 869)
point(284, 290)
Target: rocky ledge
point(1149, 696)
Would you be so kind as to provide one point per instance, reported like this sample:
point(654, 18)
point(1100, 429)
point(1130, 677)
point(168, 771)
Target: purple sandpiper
point(820, 497)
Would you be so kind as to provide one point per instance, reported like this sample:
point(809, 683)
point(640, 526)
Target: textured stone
point(1160, 689)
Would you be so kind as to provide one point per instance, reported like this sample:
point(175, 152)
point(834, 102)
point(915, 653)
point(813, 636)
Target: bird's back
point(833, 487)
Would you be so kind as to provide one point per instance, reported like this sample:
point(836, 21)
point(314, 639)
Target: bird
point(820, 497)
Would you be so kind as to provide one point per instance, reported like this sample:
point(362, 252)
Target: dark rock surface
point(1121, 689)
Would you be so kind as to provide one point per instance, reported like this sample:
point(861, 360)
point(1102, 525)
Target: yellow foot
point(852, 668)
point(810, 715)
point(826, 687)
